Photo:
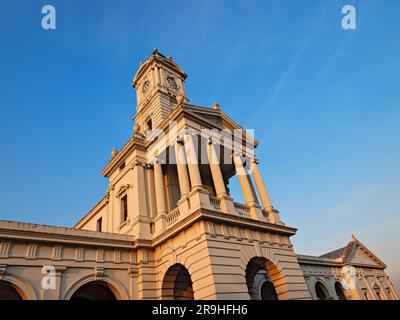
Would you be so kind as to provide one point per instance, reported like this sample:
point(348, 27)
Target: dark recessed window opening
point(149, 124)
point(122, 165)
point(99, 225)
point(124, 206)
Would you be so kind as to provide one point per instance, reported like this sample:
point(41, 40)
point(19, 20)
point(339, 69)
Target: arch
point(177, 284)
point(105, 283)
point(340, 291)
point(22, 287)
point(9, 291)
point(321, 291)
point(264, 280)
point(94, 290)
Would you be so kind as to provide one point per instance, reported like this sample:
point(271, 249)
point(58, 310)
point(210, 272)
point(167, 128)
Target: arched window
point(339, 291)
point(177, 284)
point(259, 272)
point(268, 291)
point(321, 291)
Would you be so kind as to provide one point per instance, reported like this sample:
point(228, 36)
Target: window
point(122, 166)
point(99, 224)
point(339, 291)
point(149, 125)
point(124, 208)
point(321, 291)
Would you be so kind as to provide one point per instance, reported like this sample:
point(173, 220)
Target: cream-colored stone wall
point(216, 256)
point(364, 280)
point(78, 257)
point(177, 226)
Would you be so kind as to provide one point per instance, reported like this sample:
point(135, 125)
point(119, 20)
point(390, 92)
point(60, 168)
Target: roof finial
point(216, 106)
point(136, 128)
point(114, 152)
point(353, 236)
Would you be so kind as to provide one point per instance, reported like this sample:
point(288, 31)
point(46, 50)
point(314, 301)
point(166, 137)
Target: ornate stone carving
point(2, 270)
point(98, 272)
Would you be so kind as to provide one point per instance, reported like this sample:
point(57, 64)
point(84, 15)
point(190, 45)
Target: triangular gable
point(219, 119)
point(358, 254)
point(206, 114)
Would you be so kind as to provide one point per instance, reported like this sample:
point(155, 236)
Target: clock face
point(146, 86)
point(171, 81)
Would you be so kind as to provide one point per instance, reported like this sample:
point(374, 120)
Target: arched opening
point(339, 291)
point(377, 290)
point(268, 291)
point(177, 284)
point(321, 291)
point(8, 291)
point(260, 277)
point(95, 290)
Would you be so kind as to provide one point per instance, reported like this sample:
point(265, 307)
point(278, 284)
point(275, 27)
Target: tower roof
point(157, 58)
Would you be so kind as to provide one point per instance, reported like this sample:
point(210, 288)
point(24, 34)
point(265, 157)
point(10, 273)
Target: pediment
point(358, 254)
point(218, 119)
point(208, 115)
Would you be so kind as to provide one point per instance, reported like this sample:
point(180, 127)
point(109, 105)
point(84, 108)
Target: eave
point(120, 157)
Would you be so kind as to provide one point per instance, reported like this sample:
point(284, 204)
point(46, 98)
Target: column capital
point(60, 270)
point(180, 139)
point(157, 160)
point(137, 163)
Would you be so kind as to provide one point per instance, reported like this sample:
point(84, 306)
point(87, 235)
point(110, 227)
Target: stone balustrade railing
point(215, 202)
point(242, 209)
point(173, 217)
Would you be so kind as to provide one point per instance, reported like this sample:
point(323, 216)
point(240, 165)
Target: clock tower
point(158, 83)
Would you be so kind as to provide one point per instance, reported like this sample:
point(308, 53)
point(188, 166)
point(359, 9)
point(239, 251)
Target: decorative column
point(192, 162)
point(183, 176)
point(198, 197)
point(226, 202)
point(151, 192)
point(393, 292)
point(273, 214)
point(52, 282)
point(137, 202)
point(245, 184)
point(184, 183)
point(111, 213)
point(160, 220)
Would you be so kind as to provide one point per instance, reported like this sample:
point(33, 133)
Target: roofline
point(23, 231)
point(92, 211)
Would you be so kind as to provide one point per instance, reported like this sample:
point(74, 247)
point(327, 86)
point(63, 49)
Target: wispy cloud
point(352, 203)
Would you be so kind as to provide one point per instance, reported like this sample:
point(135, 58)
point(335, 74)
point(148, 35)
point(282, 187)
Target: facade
point(168, 228)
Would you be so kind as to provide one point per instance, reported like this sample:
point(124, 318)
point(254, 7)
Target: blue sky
point(324, 103)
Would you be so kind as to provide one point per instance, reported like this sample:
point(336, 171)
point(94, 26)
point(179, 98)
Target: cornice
point(116, 161)
point(41, 233)
point(304, 259)
point(203, 214)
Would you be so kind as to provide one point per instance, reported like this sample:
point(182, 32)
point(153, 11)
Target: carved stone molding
point(4, 249)
point(98, 272)
point(2, 270)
